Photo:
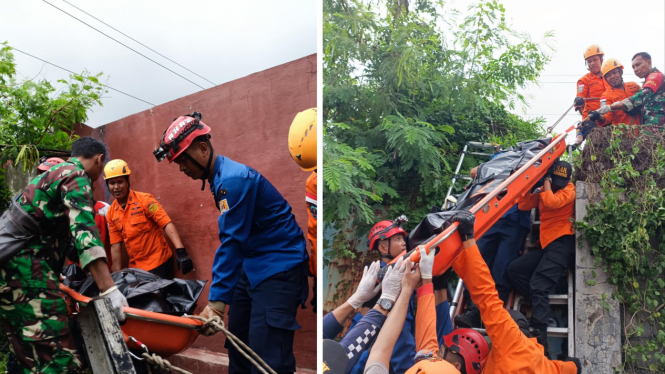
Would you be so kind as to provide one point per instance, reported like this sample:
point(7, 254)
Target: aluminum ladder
point(450, 201)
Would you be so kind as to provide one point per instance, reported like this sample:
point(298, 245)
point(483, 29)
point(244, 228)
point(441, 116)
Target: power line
point(59, 67)
point(213, 83)
point(124, 45)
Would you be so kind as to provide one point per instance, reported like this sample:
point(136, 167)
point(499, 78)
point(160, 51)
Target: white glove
point(604, 109)
point(426, 262)
point(392, 281)
point(118, 300)
point(368, 287)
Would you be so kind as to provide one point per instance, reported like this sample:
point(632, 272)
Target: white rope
point(217, 324)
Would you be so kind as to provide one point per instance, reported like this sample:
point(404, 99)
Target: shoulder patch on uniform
point(603, 101)
point(223, 206)
point(153, 208)
point(222, 191)
point(580, 87)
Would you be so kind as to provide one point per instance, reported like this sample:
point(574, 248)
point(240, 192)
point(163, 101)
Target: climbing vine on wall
point(625, 231)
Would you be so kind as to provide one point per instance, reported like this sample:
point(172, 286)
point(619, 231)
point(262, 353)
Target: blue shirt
point(523, 218)
point(256, 229)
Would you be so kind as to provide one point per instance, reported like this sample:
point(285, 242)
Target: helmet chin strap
point(389, 256)
point(206, 170)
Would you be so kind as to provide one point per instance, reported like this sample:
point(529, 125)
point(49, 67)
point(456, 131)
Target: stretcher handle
point(443, 236)
point(141, 315)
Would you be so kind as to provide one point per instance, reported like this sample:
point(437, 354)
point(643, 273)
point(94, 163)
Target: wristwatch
point(548, 179)
point(386, 304)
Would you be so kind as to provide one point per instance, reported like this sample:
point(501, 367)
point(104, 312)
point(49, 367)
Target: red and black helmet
point(386, 229)
point(471, 345)
point(179, 136)
point(49, 163)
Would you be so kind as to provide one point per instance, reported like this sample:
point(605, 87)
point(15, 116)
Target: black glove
point(466, 221)
point(441, 282)
point(594, 116)
point(579, 101)
point(184, 262)
point(577, 362)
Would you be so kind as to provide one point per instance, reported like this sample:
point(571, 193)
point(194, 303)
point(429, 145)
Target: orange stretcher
point(493, 205)
point(163, 334)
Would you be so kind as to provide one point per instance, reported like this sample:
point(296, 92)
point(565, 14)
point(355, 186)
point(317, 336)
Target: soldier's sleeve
point(154, 210)
point(75, 192)
point(638, 99)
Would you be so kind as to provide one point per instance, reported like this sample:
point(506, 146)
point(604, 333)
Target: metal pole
point(459, 166)
point(456, 297)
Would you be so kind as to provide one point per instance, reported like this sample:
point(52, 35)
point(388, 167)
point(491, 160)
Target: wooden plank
point(103, 340)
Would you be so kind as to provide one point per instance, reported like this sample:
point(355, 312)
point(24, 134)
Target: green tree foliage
point(405, 86)
point(34, 115)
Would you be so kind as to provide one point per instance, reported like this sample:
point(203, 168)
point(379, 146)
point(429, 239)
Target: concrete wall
point(597, 330)
point(16, 179)
point(250, 119)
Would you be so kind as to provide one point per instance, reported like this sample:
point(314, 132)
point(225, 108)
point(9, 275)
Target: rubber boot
point(471, 318)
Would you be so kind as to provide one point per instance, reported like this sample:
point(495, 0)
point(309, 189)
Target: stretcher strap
point(217, 325)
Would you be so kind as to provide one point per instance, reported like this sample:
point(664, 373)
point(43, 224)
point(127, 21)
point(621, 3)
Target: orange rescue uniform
point(611, 96)
point(310, 197)
point(556, 212)
point(590, 86)
point(512, 351)
point(139, 225)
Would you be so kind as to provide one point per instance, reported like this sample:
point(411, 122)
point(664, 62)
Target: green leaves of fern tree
point(405, 86)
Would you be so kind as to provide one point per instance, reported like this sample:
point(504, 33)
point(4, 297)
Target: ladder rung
point(558, 299)
point(479, 154)
point(559, 332)
point(482, 145)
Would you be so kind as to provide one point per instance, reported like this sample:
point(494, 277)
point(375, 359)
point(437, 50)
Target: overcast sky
point(219, 40)
point(621, 28)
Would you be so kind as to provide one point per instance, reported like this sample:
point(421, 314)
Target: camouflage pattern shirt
point(61, 201)
point(652, 97)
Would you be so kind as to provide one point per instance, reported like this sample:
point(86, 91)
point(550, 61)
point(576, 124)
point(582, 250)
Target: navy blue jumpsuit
point(260, 269)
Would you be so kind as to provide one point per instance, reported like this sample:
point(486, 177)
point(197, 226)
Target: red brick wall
point(250, 119)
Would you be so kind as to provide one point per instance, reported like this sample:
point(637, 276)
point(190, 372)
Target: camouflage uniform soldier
point(651, 97)
point(33, 313)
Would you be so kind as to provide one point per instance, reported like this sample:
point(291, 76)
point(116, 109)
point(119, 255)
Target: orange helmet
point(433, 366)
point(593, 50)
point(610, 65)
point(49, 163)
point(302, 139)
point(116, 168)
point(471, 345)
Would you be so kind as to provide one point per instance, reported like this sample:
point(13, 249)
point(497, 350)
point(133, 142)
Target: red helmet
point(386, 229)
point(471, 345)
point(180, 135)
point(49, 163)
